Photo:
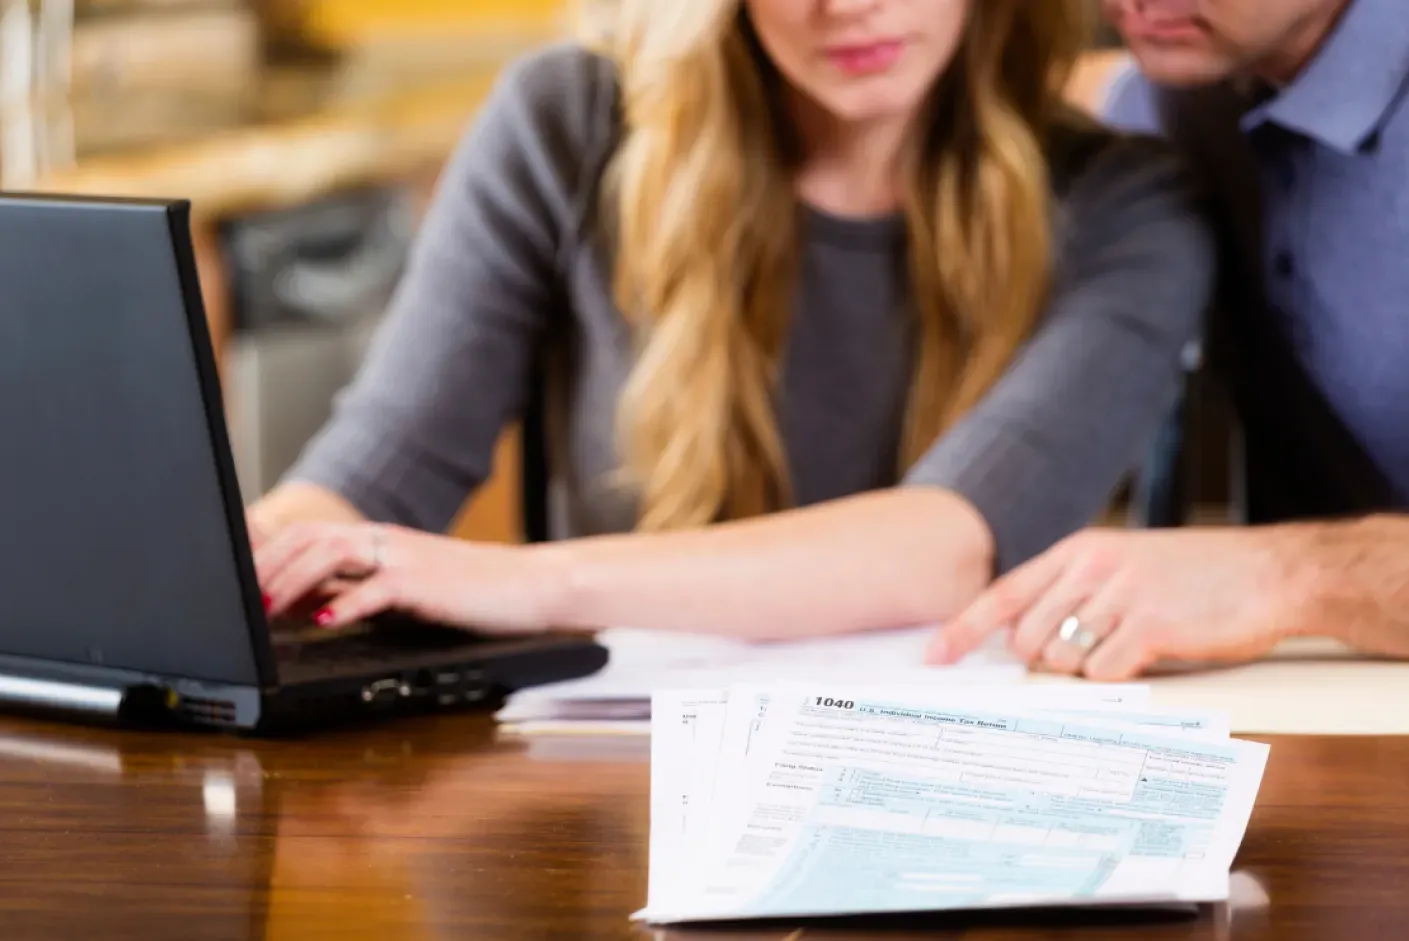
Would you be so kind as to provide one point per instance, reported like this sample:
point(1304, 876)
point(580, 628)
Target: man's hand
point(1110, 603)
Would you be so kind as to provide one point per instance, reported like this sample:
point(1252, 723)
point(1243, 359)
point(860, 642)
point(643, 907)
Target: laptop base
point(475, 677)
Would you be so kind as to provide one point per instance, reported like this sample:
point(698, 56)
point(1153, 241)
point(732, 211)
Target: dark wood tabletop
point(440, 828)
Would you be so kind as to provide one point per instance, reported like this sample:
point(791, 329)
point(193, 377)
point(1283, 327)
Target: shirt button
point(1284, 264)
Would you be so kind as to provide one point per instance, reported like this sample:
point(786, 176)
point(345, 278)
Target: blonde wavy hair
point(703, 213)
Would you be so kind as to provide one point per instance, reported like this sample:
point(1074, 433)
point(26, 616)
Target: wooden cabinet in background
point(359, 24)
point(493, 514)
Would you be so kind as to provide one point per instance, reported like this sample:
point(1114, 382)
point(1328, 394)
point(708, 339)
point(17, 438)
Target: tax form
point(687, 728)
point(788, 801)
point(698, 735)
point(693, 743)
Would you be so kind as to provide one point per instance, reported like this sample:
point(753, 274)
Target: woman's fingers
point(258, 535)
point(373, 596)
point(297, 562)
point(302, 609)
point(301, 578)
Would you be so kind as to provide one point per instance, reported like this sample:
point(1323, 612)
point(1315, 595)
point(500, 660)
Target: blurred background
point(308, 135)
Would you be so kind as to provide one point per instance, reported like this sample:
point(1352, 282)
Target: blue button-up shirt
point(1332, 151)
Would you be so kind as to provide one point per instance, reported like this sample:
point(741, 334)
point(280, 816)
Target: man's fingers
point(1044, 616)
point(1099, 617)
point(1122, 656)
point(999, 607)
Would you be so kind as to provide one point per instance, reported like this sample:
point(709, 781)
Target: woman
point(844, 312)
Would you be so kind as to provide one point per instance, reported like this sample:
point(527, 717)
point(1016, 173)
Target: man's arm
point(1358, 573)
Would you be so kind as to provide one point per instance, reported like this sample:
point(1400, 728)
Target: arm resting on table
point(894, 558)
point(1358, 573)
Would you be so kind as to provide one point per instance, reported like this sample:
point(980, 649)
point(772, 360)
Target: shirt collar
point(1347, 91)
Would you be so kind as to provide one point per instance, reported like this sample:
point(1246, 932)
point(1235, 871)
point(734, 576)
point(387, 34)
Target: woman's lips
point(868, 58)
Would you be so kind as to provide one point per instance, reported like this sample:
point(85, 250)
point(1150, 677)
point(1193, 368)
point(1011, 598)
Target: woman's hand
point(295, 502)
point(256, 530)
point(367, 569)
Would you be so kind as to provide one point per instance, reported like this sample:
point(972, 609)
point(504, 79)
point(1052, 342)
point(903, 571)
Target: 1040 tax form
point(795, 801)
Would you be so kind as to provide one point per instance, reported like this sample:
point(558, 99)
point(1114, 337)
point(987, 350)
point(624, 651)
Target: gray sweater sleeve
point(415, 432)
point(1041, 454)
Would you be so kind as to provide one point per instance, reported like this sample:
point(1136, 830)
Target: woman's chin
point(873, 105)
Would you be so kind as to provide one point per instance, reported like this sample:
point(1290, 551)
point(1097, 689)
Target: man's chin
point(1182, 68)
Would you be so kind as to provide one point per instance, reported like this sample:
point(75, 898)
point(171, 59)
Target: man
point(1297, 112)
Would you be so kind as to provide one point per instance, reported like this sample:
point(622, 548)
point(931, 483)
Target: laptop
point(127, 583)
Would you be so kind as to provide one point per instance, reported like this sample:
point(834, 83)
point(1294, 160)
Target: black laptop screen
point(115, 547)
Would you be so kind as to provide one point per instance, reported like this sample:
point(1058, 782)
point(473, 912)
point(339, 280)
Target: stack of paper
point(618, 698)
point(795, 800)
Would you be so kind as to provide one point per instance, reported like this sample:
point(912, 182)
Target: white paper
point(795, 801)
point(696, 737)
point(687, 728)
point(747, 706)
point(641, 662)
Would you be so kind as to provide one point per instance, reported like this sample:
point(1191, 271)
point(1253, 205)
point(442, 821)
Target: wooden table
point(437, 829)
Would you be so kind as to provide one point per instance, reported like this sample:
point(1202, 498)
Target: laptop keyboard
point(366, 647)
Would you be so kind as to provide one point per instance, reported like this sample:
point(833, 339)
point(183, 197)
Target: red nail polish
point(268, 604)
point(323, 617)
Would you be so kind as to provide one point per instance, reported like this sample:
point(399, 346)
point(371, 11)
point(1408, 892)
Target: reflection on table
point(443, 828)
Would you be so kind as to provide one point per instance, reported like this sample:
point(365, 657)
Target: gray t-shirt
point(511, 261)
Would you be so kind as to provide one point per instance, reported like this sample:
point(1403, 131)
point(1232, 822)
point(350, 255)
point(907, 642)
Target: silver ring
point(1073, 633)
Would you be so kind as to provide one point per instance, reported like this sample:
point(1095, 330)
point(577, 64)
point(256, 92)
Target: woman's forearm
point(889, 559)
